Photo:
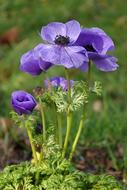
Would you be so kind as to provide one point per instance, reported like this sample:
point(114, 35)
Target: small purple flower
point(97, 43)
point(58, 81)
point(22, 102)
point(60, 49)
point(33, 65)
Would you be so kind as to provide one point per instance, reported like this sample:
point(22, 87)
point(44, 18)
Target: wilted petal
point(73, 30)
point(49, 32)
point(104, 62)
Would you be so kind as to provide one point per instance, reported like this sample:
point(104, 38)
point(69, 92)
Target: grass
point(105, 128)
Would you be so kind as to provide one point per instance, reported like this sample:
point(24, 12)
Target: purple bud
point(58, 81)
point(22, 102)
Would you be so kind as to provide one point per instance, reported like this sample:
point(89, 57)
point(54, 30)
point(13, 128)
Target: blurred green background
point(20, 24)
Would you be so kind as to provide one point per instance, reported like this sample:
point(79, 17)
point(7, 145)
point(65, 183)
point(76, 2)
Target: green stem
point(38, 174)
point(56, 124)
point(43, 120)
point(44, 138)
point(69, 126)
point(69, 114)
point(32, 144)
point(77, 137)
point(68, 84)
point(59, 129)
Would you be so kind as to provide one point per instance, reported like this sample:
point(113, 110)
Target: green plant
point(51, 164)
point(56, 173)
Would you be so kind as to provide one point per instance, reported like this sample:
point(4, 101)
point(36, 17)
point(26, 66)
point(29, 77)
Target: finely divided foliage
point(72, 47)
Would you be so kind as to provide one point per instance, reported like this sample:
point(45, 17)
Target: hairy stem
point(77, 137)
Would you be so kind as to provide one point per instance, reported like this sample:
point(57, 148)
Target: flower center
point(61, 40)
point(89, 48)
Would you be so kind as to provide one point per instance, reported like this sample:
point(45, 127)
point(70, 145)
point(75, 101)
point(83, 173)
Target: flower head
point(22, 102)
point(60, 49)
point(58, 81)
point(33, 65)
point(98, 44)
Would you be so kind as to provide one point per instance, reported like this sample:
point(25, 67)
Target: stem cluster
point(63, 143)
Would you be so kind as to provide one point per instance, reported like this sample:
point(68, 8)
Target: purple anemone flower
point(58, 81)
point(98, 44)
point(60, 49)
point(33, 65)
point(22, 102)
